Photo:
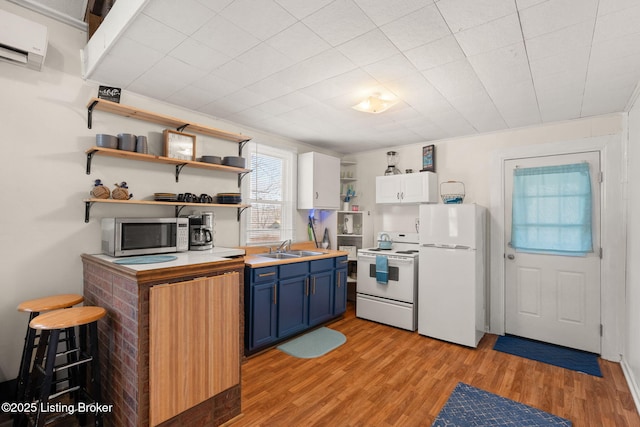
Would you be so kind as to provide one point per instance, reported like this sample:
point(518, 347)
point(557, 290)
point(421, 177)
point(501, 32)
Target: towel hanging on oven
point(382, 269)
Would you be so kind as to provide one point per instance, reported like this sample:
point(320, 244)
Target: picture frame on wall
point(428, 158)
point(178, 145)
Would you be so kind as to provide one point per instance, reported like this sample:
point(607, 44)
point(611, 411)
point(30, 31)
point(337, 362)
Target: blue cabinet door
point(321, 297)
point(340, 289)
point(262, 315)
point(292, 305)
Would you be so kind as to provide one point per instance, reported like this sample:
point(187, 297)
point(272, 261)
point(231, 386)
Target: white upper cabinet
point(318, 181)
point(419, 187)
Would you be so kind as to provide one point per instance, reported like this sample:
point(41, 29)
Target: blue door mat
point(551, 354)
point(314, 344)
point(471, 406)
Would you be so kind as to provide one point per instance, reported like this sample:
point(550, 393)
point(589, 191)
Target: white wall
point(44, 137)
point(631, 355)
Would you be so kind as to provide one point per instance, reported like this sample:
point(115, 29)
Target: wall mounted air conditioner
point(22, 42)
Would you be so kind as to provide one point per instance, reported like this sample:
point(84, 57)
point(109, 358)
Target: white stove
point(388, 282)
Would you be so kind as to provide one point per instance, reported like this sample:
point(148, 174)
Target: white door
point(550, 297)
point(388, 188)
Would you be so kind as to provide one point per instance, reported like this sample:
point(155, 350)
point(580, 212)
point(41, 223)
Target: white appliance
point(451, 285)
point(392, 301)
point(22, 42)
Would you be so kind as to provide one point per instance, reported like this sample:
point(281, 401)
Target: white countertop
point(182, 258)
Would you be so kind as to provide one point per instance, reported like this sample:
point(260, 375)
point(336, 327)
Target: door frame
point(612, 233)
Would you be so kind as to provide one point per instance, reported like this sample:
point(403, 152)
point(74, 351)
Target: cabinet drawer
point(321, 265)
point(264, 274)
point(341, 262)
point(293, 270)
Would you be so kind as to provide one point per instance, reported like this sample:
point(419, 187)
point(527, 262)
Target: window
point(269, 190)
point(552, 209)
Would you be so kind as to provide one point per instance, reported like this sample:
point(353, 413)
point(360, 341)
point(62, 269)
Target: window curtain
point(551, 209)
point(269, 190)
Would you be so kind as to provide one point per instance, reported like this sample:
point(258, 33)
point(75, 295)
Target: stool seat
point(53, 302)
point(67, 318)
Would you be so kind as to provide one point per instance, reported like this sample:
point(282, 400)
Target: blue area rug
point(314, 344)
point(551, 354)
point(469, 406)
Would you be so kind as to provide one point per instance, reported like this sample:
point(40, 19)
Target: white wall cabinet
point(408, 188)
point(318, 181)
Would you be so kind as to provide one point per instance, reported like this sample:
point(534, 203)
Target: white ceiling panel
point(493, 35)
point(457, 67)
point(423, 26)
point(185, 16)
point(464, 14)
point(434, 54)
point(298, 42)
point(550, 16)
point(262, 19)
point(339, 22)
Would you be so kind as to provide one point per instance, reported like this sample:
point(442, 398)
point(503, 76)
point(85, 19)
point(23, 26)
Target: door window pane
point(552, 209)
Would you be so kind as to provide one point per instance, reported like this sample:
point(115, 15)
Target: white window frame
point(290, 163)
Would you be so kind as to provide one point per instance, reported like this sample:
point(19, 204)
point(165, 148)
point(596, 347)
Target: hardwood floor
point(383, 376)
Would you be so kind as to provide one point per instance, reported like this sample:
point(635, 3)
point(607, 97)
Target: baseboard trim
point(633, 385)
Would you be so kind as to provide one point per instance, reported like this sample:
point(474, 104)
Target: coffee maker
point(201, 231)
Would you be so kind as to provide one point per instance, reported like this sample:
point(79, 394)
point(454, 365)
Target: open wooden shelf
point(111, 152)
point(137, 113)
point(178, 205)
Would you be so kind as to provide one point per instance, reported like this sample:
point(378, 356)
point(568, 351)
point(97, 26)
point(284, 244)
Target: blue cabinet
point(293, 289)
point(340, 288)
point(260, 307)
point(284, 300)
point(321, 291)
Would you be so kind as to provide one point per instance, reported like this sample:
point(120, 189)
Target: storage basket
point(452, 192)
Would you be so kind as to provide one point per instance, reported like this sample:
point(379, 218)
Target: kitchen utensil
point(126, 142)
point(211, 159)
point(106, 141)
point(238, 162)
point(313, 231)
point(141, 145)
point(392, 161)
point(384, 242)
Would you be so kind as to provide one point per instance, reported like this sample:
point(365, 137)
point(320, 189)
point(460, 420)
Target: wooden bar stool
point(34, 307)
point(83, 371)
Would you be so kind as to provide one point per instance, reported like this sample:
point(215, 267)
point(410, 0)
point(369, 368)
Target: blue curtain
point(551, 209)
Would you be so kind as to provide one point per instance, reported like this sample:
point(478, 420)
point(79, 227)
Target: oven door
point(402, 278)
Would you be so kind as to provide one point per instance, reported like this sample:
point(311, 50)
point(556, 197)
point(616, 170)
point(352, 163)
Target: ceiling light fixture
point(375, 104)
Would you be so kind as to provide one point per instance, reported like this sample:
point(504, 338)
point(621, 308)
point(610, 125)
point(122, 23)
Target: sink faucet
point(284, 246)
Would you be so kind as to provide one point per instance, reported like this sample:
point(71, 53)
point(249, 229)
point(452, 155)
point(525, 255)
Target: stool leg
point(72, 357)
point(45, 388)
point(82, 371)
point(95, 370)
point(25, 362)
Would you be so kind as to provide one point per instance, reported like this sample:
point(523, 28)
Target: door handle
point(338, 279)
point(306, 287)
point(511, 256)
point(317, 195)
point(313, 291)
point(275, 294)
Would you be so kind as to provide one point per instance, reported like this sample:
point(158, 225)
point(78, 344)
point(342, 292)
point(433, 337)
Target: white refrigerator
point(451, 286)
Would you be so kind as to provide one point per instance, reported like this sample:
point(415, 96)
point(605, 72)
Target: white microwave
point(144, 236)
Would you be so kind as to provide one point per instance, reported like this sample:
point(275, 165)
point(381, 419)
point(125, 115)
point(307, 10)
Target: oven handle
point(398, 260)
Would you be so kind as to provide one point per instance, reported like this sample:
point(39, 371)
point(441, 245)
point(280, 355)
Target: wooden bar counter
point(171, 343)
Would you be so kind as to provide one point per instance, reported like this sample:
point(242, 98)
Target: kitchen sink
point(305, 253)
point(280, 255)
point(291, 254)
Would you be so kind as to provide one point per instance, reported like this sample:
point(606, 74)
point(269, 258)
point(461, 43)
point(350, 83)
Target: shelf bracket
point(90, 113)
point(183, 127)
point(178, 170)
point(87, 210)
point(240, 210)
point(242, 175)
point(89, 158)
point(241, 145)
